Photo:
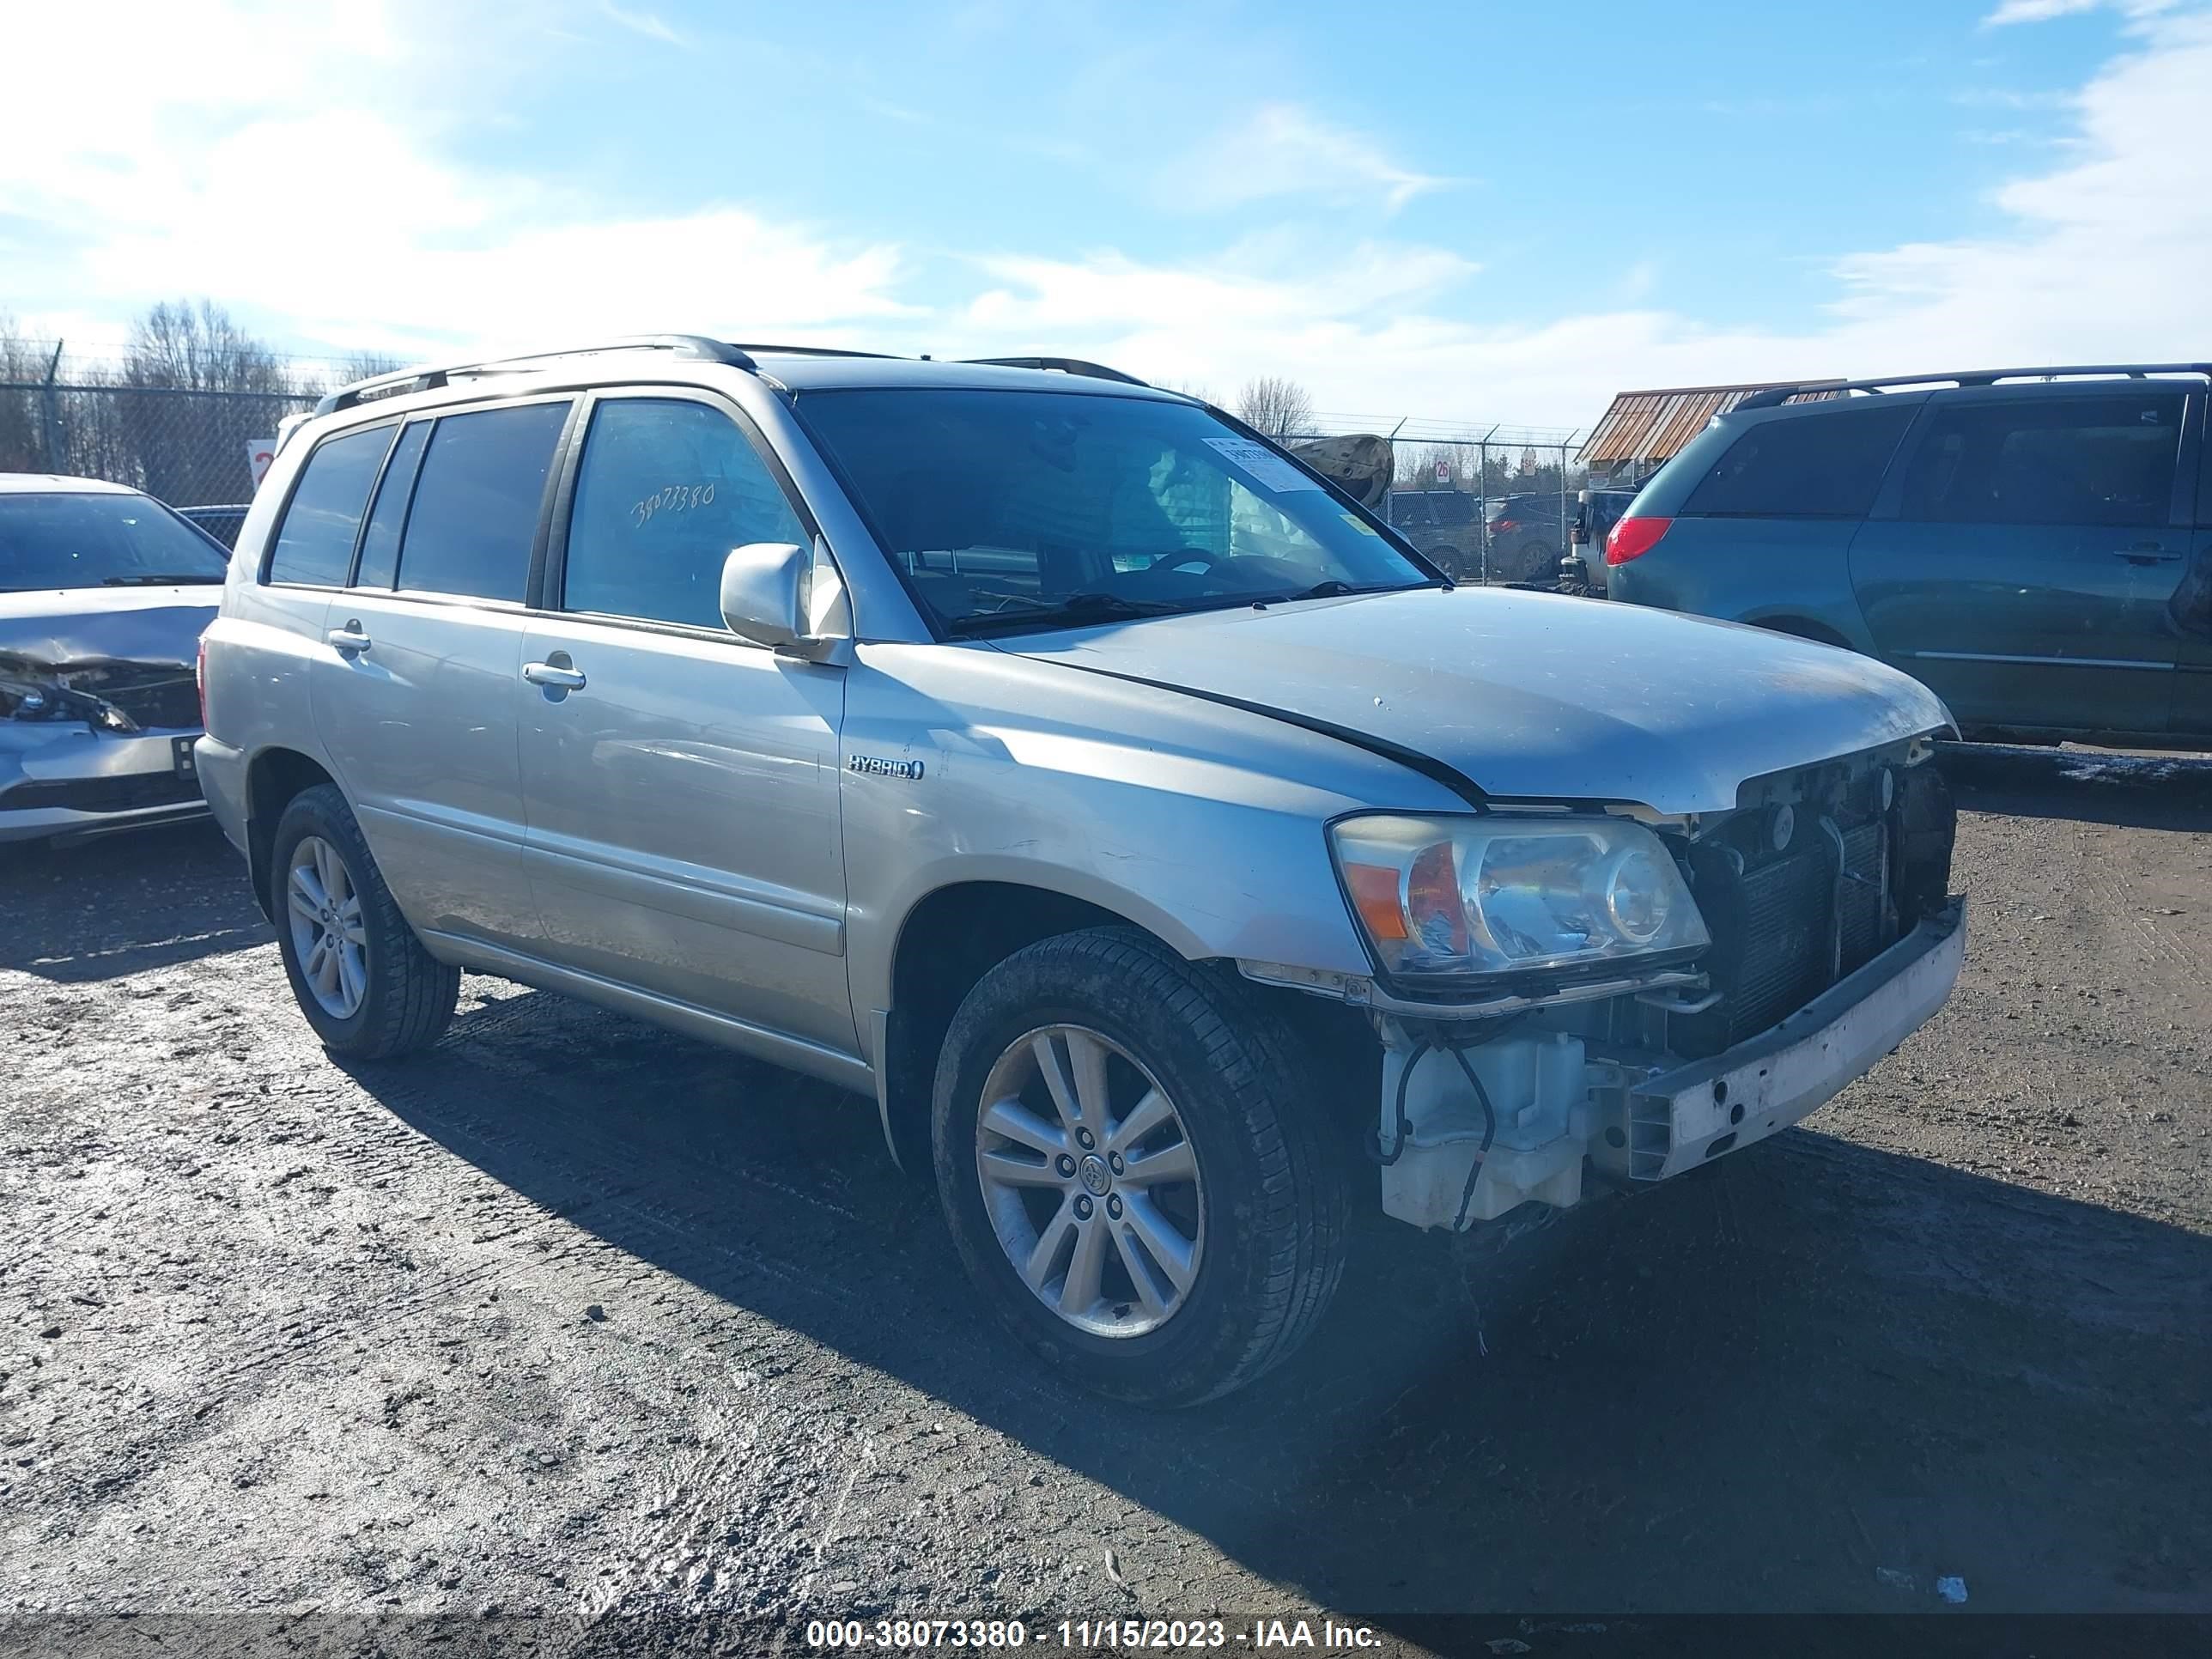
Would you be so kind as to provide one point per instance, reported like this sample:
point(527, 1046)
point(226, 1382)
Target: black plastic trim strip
point(1427, 765)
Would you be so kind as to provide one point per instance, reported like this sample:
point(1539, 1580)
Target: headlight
point(26, 700)
point(35, 699)
point(1458, 896)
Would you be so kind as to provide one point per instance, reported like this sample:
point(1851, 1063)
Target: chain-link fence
point(190, 449)
point(1489, 502)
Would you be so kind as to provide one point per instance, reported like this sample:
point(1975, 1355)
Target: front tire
point(360, 976)
point(1135, 1168)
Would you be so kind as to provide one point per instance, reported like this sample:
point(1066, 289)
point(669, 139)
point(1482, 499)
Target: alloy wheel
point(327, 933)
point(1091, 1182)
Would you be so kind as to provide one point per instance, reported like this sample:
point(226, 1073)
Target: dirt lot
point(577, 1317)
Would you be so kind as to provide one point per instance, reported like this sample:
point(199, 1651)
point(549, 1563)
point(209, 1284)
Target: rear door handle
point(350, 640)
point(545, 673)
point(2147, 553)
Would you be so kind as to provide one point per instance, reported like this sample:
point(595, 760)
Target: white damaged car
point(104, 592)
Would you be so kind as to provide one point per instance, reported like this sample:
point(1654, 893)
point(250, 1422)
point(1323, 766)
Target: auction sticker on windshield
point(1261, 464)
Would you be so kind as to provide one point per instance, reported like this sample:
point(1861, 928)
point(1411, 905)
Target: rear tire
point(1258, 1242)
point(1537, 559)
point(360, 976)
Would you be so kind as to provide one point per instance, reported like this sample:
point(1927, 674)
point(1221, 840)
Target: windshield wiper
point(163, 578)
point(1024, 611)
point(1332, 587)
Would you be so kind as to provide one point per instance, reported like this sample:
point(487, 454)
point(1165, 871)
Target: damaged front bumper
point(66, 779)
point(1469, 1132)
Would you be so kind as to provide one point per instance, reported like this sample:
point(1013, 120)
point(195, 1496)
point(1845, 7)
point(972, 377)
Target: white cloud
point(292, 162)
point(2104, 260)
point(650, 24)
point(1282, 150)
point(2042, 11)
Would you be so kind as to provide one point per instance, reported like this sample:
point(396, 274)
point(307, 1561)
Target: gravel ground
point(572, 1316)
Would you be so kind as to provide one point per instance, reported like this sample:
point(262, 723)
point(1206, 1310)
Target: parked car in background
point(220, 522)
point(1446, 525)
point(1173, 857)
point(2036, 550)
point(1582, 567)
point(104, 592)
point(1527, 536)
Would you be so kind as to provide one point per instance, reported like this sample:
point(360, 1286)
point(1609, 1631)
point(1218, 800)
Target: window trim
point(1890, 507)
point(383, 472)
point(262, 577)
point(549, 576)
point(2200, 511)
point(574, 401)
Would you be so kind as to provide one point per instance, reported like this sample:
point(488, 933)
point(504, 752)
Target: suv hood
point(1530, 695)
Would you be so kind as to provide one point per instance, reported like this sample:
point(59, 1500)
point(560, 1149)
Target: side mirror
point(778, 595)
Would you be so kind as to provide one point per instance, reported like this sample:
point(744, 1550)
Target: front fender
point(1203, 824)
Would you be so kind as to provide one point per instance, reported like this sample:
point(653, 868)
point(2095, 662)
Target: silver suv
point(1175, 856)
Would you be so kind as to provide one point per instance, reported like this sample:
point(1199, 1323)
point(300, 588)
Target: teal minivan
point(2033, 545)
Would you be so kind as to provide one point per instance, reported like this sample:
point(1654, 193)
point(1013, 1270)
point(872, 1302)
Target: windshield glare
point(73, 539)
point(1061, 508)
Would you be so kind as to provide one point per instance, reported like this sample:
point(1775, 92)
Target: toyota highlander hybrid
point(1173, 855)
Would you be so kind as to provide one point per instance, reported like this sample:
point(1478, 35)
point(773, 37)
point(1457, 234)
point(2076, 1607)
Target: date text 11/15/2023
point(1122, 1635)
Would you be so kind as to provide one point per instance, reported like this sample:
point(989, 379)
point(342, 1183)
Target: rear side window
point(666, 488)
point(380, 543)
point(2204, 483)
point(1455, 509)
point(1805, 466)
point(315, 541)
point(2049, 460)
point(478, 500)
point(1408, 510)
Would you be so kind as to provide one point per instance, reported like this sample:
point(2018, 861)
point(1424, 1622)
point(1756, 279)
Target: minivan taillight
point(1632, 539)
point(199, 680)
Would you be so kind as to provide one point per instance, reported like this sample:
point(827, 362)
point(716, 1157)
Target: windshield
point(1015, 509)
point(70, 539)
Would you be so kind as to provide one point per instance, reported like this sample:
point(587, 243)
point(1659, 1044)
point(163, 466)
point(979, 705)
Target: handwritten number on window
point(672, 498)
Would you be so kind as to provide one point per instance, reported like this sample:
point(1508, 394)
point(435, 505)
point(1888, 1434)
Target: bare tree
point(184, 347)
point(21, 447)
point(199, 389)
point(1280, 408)
point(366, 366)
point(1418, 466)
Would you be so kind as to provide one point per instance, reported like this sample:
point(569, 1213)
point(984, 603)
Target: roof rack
point(430, 379)
point(1782, 394)
point(814, 351)
point(1063, 365)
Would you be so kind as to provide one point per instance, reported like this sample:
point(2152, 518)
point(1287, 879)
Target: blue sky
point(1458, 212)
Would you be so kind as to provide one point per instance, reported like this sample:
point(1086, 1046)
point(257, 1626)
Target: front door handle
point(546, 674)
point(2147, 553)
point(349, 641)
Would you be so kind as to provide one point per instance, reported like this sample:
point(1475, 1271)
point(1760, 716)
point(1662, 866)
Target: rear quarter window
point(1805, 466)
point(314, 543)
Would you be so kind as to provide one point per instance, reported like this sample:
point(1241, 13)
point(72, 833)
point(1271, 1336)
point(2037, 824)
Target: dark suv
point(1444, 523)
point(1527, 536)
point(2034, 545)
